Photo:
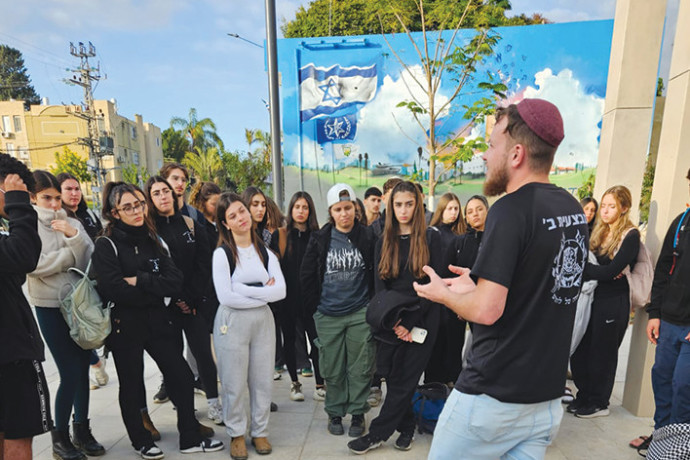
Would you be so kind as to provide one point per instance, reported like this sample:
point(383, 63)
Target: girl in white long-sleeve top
point(246, 276)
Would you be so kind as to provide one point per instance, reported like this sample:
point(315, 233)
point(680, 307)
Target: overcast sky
point(162, 57)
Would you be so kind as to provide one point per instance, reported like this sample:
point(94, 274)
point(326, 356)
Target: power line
point(49, 53)
point(33, 149)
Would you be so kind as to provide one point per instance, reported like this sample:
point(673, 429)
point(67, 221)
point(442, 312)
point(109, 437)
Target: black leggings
point(288, 320)
point(199, 340)
point(73, 365)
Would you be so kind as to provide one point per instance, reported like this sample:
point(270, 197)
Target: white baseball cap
point(334, 197)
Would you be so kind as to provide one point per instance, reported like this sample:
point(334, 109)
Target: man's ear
point(517, 156)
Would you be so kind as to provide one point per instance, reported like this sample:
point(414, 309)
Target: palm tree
point(201, 133)
point(263, 138)
point(206, 164)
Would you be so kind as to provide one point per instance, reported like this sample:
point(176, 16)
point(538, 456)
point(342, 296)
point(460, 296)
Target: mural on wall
point(342, 121)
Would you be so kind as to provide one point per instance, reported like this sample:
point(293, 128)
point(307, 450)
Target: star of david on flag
point(324, 91)
point(336, 128)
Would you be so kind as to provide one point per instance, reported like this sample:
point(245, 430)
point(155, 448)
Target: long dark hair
point(247, 196)
point(153, 211)
point(112, 195)
point(312, 222)
point(481, 198)
point(225, 236)
point(45, 180)
point(419, 250)
point(201, 193)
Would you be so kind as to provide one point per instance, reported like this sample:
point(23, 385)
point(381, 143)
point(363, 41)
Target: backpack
point(86, 316)
point(640, 277)
point(427, 404)
point(231, 259)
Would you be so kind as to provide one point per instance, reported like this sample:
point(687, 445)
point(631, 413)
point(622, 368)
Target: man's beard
point(497, 181)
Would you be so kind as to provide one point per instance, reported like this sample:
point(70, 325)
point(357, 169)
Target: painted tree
point(133, 174)
point(361, 17)
point(206, 164)
point(243, 170)
point(14, 78)
point(442, 57)
point(199, 132)
point(71, 162)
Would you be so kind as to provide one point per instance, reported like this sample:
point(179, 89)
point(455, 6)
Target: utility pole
point(86, 75)
point(274, 101)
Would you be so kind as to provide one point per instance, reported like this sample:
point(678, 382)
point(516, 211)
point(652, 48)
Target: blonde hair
point(598, 241)
point(459, 226)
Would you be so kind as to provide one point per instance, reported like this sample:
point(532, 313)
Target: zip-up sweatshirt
point(20, 249)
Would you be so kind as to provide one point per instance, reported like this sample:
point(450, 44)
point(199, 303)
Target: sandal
point(638, 441)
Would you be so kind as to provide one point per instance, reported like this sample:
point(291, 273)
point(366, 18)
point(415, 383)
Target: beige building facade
point(34, 136)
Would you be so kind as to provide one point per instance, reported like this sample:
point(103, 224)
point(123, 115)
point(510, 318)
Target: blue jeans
point(671, 376)
point(479, 427)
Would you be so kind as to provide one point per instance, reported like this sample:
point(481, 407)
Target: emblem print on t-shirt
point(155, 263)
point(344, 263)
point(567, 269)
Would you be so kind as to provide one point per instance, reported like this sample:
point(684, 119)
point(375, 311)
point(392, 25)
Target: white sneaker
point(277, 375)
point(100, 374)
point(215, 413)
point(207, 445)
point(319, 394)
point(296, 392)
point(93, 384)
point(374, 398)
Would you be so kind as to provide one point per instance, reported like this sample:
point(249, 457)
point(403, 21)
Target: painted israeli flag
point(327, 90)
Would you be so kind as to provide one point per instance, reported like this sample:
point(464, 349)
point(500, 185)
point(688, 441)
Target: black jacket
point(89, 220)
point(191, 253)
point(290, 265)
point(139, 311)
point(20, 249)
point(465, 248)
point(314, 262)
point(671, 290)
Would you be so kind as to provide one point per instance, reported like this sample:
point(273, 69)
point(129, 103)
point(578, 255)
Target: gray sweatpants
point(245, 343)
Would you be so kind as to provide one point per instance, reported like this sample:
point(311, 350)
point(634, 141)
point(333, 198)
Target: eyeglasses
point(130, 210)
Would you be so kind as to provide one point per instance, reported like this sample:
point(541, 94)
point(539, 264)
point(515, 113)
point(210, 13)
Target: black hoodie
point(20, 249)
point(191, 253)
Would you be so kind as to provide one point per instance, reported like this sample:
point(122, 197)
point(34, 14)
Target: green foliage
point(199, 132)
point(646, 196)
point(14, 78)
point(132, 174)
point(70, 162)
point(245, 170)
point(587, 189)
point(361, 17)
point(205, 164)
point(175, 144)
point(660, 87)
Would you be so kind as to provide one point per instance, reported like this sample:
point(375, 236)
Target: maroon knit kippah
point(543, 118)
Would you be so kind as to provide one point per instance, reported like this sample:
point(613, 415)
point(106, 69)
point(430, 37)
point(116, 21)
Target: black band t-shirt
point(535, 244)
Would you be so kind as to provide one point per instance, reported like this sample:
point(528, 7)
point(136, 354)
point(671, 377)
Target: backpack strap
point(264, 255)
point(282, 241)
point(190, 223)
point(111, 243)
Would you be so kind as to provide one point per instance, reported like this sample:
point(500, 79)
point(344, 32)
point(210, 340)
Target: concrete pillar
point(630, 91)
point(669, 198)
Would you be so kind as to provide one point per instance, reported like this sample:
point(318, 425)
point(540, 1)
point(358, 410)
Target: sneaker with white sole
point(161, 395)
point(93, 383)
point(215, 413)
point(591, 411)
point(151, 452)
point(277, 375)
point(296, 392)
point(374, 398)
point(207, 445)
point(99, 373)
point(364, 444)
point(319, 394)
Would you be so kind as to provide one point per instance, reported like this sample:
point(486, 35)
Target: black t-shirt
point(535, 244)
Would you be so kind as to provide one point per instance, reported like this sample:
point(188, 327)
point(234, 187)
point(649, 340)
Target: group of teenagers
point(382, 295)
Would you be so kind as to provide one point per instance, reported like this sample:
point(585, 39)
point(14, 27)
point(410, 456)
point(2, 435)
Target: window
point(9, 147)
point(135, 158)
point(158, 142)
point(23, 153)
point(6, 124)
point(17, 124)
point(134, 132)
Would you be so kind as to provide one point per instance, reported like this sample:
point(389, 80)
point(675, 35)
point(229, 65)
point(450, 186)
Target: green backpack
point(86, 316)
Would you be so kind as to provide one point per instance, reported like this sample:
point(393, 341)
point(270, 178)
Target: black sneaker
point(206, 445)
point(591, 411)
point(335, 425)
point(151, 452)
point(357, 426)
point(574, 406)
point(274, 407)
point(364, 444)
point(404, 441)
point(161, 396)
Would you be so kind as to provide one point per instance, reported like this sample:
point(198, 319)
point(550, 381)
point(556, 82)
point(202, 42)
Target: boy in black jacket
point(669, 325)
point(24, 400)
